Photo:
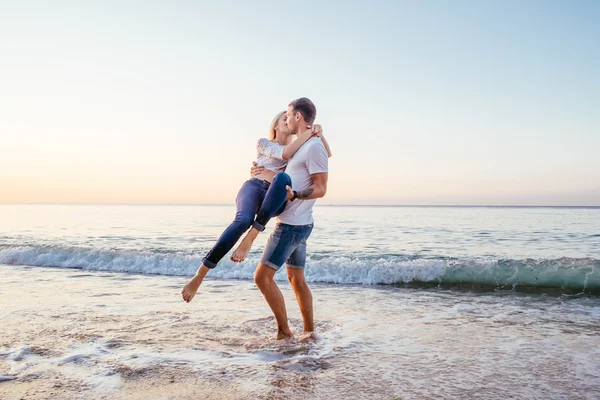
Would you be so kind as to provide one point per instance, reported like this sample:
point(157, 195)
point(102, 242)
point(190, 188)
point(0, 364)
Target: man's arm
point(315, 191)
point(317, 164)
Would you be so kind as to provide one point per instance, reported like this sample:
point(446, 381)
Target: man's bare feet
point(285, 334)
point(189, 290)
point(308, 337)
point(243, 249)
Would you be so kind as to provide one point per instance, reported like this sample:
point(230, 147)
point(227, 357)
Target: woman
point(260, 198)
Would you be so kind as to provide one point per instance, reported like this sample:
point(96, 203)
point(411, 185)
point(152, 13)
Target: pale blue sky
point(437, 102)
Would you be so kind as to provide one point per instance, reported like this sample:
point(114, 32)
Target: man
point(308, 169)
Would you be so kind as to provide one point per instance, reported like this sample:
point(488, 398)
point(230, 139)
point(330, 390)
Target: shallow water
point(96, 333)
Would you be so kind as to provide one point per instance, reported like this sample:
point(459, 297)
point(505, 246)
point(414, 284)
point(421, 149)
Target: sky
point(422, 102)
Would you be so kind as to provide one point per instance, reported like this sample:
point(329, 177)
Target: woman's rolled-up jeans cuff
point(258, 227)
point(208, 264)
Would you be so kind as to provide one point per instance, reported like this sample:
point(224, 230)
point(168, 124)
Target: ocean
point(501, 248)
point(410, 303)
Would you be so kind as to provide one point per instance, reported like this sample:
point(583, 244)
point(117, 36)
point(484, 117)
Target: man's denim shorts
point(287, 244)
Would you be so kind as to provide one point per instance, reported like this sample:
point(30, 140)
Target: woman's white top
point(270, 155)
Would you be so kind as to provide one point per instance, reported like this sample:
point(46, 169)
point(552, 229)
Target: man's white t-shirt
point(311, 159)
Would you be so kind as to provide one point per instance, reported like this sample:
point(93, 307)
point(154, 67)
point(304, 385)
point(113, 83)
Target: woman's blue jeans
point(256, 198)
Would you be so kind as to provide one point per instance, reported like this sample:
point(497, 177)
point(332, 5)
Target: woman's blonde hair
point(272, 131)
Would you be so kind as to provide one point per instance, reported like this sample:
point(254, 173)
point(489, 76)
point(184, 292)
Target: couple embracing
point(288, 176)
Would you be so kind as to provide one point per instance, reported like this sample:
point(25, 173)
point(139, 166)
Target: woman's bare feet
point(242, 250)
point(189, 290)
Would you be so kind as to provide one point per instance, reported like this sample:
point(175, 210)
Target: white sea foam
point(566, 272)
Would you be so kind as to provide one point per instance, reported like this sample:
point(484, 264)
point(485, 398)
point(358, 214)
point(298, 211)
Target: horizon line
point(320, 205)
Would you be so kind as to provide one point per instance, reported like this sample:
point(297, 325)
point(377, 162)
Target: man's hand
point(256, 170)
point(290, 193)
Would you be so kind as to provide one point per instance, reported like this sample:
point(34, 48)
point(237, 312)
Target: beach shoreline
point(73, 334)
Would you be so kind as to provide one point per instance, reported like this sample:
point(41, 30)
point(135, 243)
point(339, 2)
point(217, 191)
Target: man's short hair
point(305, 107)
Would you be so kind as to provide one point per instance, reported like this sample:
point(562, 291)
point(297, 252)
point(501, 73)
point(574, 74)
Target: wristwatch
point(295, 195)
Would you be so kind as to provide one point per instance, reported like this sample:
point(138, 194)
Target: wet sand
point(72, 334)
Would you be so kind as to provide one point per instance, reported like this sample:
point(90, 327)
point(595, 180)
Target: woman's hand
point(316, 130)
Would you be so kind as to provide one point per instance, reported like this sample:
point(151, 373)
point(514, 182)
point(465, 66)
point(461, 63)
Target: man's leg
point(295, 270)
point(264, 280)
point(303, 296)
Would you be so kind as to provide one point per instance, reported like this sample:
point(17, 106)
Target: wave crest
point(581, 274)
